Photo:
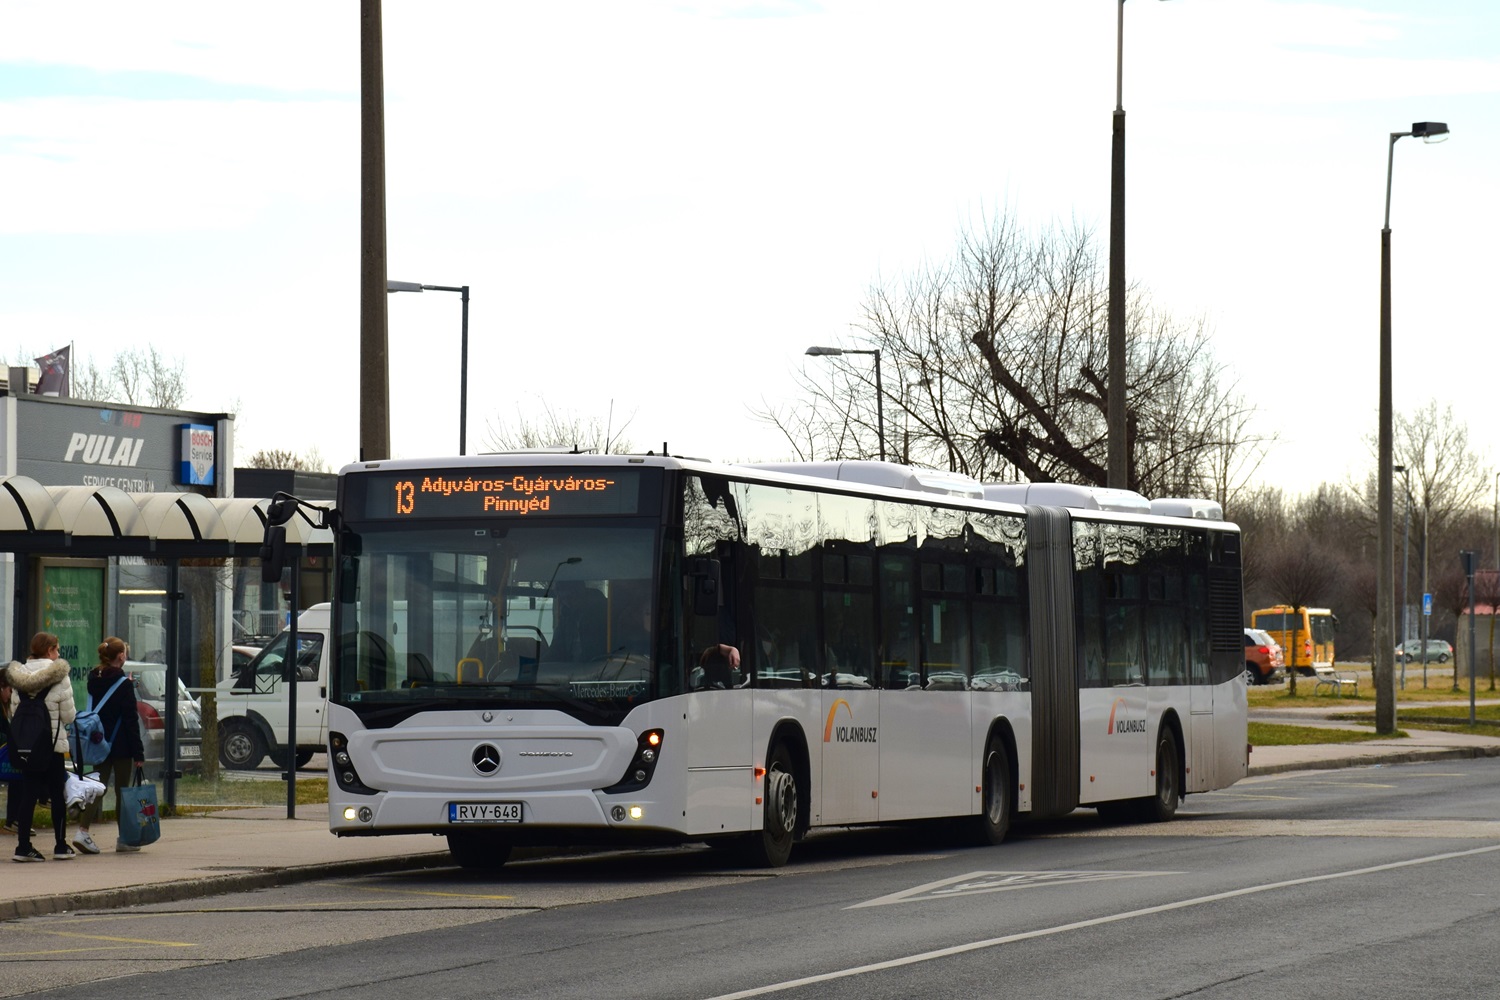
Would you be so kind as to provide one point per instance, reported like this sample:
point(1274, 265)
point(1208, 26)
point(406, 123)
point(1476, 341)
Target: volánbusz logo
point(1121, 726)
point(846, 734)
point(104, 449)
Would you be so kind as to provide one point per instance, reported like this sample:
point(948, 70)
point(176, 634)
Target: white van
point(252, 707)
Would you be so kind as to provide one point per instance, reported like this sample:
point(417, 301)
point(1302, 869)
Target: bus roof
point(884, 475)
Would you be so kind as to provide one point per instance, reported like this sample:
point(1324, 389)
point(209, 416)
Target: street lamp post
point(921, 383)
point(1405, 563)
point(463, 350)
point(834, 352)
point(1385, 695)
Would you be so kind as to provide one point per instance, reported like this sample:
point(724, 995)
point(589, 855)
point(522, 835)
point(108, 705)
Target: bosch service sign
point(138, 451)
point(197, 467)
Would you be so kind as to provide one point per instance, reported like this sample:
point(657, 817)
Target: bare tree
point(134, 376)
point(1487, 594)
point(146, 378)
point(1450, 591)
point(86, 381)
point(1299, 572)
point(285, 458)
point(994, 366)
point(558, 429)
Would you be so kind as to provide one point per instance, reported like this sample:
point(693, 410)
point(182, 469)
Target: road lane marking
point(416, 892)
point(977, 883)
point(973, 946)
point(1228, 826)
point(38, 929)
point(11, 955)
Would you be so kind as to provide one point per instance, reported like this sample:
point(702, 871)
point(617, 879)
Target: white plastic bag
point(79, 792)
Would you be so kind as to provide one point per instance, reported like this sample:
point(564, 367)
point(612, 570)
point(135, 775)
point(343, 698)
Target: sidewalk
point(244, 849)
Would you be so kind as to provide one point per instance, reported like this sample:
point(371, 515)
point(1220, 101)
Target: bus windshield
point(531, 615)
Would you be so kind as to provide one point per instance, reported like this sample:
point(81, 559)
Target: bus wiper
point(404, 708)
point(550, 693)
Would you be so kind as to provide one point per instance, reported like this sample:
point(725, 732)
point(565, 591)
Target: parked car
point(150, 680)
point(1263, 660)
point(1438, 651)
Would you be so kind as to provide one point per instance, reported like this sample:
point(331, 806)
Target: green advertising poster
point(73, 610)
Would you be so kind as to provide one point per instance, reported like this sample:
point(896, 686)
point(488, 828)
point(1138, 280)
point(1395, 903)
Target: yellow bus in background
point(1305, 635)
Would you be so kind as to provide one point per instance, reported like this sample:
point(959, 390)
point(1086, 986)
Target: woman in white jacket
point(45, 674)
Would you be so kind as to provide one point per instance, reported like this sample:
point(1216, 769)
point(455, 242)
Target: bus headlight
point(343, 769)
point(642, 765)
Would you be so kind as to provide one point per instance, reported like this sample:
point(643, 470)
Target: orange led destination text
point(514, 495)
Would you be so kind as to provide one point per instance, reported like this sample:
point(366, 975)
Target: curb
point(1404, 757)
point(212, 885)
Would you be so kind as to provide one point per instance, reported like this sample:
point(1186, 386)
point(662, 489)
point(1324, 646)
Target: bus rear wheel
point(994, 822)
point(771, 846)
point(480, 850)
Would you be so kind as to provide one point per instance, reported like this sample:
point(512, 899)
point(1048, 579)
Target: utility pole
point(374, 363)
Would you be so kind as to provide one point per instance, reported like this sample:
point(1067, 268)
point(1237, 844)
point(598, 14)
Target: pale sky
point(659, 205)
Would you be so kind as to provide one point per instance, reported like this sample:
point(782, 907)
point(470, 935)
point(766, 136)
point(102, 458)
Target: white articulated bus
point(544, 649)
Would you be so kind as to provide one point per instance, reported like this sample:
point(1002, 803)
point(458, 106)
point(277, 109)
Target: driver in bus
point(718, 664)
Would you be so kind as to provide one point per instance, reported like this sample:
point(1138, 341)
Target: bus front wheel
point(481, 850)
point(771, 846)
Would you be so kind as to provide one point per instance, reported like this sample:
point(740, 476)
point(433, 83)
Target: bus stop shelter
point(50, 531)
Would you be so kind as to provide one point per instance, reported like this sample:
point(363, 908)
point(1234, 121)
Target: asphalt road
point(1367, 882)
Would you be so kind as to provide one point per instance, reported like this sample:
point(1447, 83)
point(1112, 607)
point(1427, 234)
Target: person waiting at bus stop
point(45, 675)
point(117, 713)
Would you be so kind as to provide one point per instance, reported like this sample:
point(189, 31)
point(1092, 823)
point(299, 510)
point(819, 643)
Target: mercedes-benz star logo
point(486, 759)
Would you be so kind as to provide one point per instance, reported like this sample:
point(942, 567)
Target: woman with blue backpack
point(41, 706)
point(112, 694)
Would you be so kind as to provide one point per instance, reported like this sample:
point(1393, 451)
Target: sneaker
point(11, 827)
point(123, 848)
point(27, 854)
point(85, 843)
point(62, 852)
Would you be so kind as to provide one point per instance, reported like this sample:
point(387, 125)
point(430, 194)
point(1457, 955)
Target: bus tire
point(1122, 811)
point(241, 747)
point(479, 850)
point(1162, 806)
point(771, 846)
point(996, 798)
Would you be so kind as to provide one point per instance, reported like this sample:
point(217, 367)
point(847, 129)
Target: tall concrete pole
point(1118, 472)
point(374, 367)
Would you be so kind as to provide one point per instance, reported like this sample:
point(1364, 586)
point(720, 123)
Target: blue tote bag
point(139, 822)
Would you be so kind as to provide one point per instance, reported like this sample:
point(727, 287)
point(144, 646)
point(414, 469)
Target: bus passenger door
point(720, 776)
point(851, 756)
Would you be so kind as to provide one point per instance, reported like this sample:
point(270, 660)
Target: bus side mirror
point(703, 576)
point(273, 554)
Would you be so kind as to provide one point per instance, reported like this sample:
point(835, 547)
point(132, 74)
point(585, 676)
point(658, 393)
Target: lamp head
point(822, 351)
point(1430, 131)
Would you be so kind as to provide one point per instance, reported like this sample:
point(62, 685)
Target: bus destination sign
point(509, 492)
